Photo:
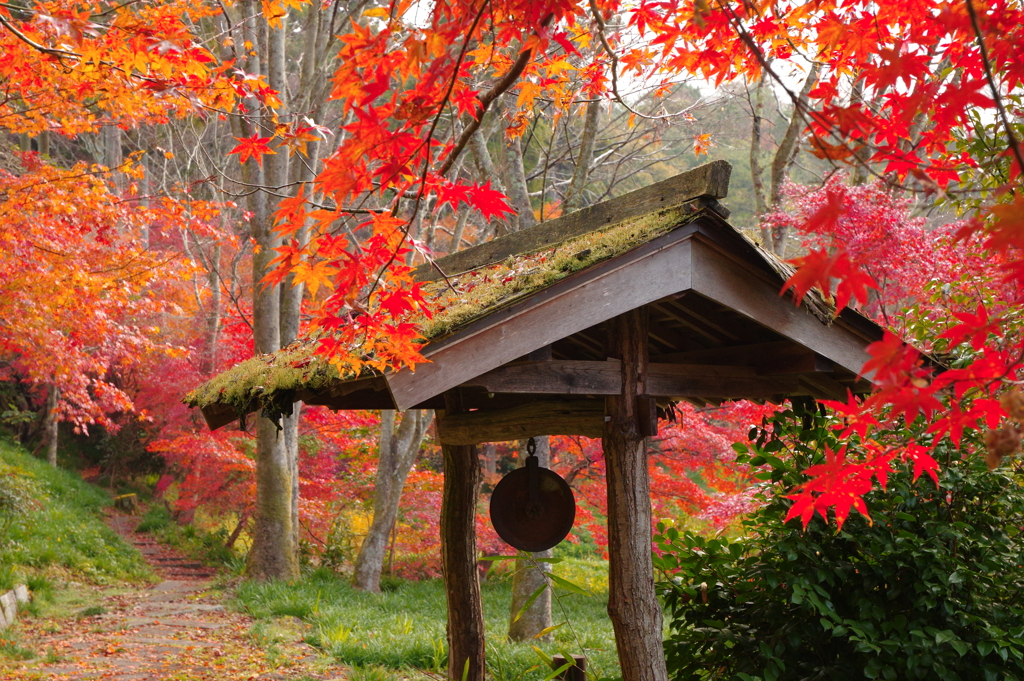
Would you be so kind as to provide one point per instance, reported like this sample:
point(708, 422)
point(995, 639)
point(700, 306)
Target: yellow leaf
point(528, 91)
point(559, 66)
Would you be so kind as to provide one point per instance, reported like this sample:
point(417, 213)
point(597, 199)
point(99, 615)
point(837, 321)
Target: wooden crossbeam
point(564, 377)
point(580, 417)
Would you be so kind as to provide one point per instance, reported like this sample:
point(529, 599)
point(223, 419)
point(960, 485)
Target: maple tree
point(898, 90)
point(920, 73)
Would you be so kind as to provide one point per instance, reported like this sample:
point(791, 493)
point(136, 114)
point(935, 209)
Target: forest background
point(186, 184)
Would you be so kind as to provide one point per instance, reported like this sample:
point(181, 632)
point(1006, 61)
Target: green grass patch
point(194, 541)
point(404, 629)
point(12, 650)
point(56, 527)
point(156, 518)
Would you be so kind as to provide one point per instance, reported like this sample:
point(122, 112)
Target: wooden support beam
point(218, 415)
point(466, 652)
point(720, 277)
point(821, 386)
point(632, 603)
point(579, 417)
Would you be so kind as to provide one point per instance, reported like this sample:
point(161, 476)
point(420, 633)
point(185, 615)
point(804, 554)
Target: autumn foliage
point(105, 280)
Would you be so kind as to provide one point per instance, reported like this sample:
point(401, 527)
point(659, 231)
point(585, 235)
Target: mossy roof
point(271, 381)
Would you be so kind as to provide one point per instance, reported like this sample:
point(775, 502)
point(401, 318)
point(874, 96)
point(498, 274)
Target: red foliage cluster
point(958, 295)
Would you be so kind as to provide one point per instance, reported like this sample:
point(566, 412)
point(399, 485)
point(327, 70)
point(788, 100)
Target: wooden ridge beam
point(710, 180)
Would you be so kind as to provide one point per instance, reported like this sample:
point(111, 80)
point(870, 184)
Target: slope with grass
point(52, 529)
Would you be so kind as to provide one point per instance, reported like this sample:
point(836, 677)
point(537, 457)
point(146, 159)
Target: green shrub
point(931, 590)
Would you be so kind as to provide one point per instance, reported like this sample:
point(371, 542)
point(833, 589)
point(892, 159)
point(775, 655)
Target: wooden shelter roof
point(519, 325)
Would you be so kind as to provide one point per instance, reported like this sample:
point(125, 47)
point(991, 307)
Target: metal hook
point(531, 447)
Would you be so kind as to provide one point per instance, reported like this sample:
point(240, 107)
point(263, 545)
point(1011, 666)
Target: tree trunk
point(632, 603)
point(460, 229)
point(396, 454)
point(515, 178)
point(51, 424)
point(529, 575)
point(274, 553)
point(485, 171)
point(489, 459)
point(786, 153)
point(466, 657)
point(209, 361)
point(756, 172)
point(581, 176)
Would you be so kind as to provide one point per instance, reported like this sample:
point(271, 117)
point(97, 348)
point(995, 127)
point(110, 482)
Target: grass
point(404, 629)
point(57, 531)
point(201, 544)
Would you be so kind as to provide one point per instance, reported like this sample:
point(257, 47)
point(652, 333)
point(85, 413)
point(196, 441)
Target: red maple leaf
point(923, 462)
point(252, 147)
point(489, 202)
point(975, 326)
point(819, 269)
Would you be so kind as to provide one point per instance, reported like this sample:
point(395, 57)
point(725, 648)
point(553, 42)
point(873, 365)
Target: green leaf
point(569, 586)
point(547, 659)
point(556, 672)
point(529, 601)
point(547, 630)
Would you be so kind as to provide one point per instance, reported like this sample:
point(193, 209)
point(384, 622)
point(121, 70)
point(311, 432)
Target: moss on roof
point(464, 299)
point(267, 381)
point(271, 381)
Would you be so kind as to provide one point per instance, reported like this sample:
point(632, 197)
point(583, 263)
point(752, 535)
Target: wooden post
point(632, 603)
point(458, 556)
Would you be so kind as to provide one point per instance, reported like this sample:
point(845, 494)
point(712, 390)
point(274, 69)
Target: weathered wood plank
point(218, 415)
point(557, 377)
point(726, 282)
point(567, 377)
point(651, 272)
point(578, 417)
point(710, 179)
point(768, 359)
point(821, 386)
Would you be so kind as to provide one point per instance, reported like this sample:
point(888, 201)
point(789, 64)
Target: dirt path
point(176, 629)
